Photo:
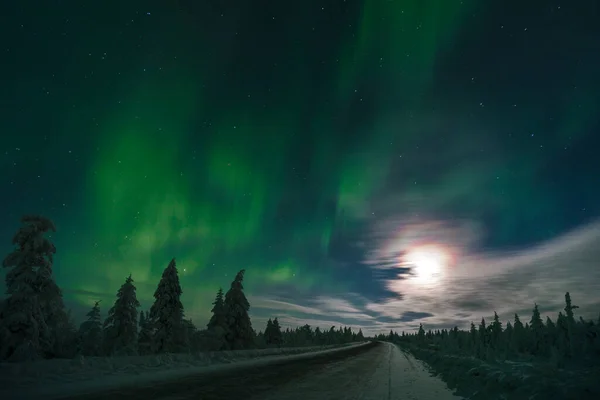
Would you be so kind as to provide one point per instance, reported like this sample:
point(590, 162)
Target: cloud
point(335, 304)
point(475, 286)
point(260, 302)
point(481, 283)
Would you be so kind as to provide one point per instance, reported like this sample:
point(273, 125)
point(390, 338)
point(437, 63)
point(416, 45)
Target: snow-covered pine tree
point(90, 332)
point(569, 307)
point(550, 337)
point(269, 332)
point(273, 335)
point(277, 337)
point(191, 334)
point(121, 324)
point(421, 334)
point(166, 314)
point(563, 343)
point(218, 317)
point(571, 326)
point(145, 334)
point(518, 337)
point(360, 337)
point(496, 332)
point(239, 333)
point(537, 332)
point(56, 316)
point(473, 338)
point(24, 333)
point(508, 337)
point(217, 326)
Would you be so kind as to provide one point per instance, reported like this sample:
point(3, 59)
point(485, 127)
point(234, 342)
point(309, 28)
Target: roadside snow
point(58, 378)
point(400, 376)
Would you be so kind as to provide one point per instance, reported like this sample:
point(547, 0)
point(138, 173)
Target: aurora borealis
point(311, 144)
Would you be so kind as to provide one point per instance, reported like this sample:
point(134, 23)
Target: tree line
point(34, 322)
point(567, 341)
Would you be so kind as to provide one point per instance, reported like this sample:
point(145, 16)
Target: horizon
point(369, 165)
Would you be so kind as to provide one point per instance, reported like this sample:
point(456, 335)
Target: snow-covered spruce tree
point(537, 333)
point(268, 331)
point(496, 333)
point(217, 326)
point(273, 335)
point(57, 319)
point(571, 326)
point(550, 337)
point(33, 297)
point(483, 339)
point(360, 337)
point(507, 337)
point(421, 335)
point(145, 334)
point(563, 344)
point(166, 314)
point(518, 336)
point(239, 333)
point(473, 338)
point(218, 317)
point(120, 326)
point(90, 332)
point(276, 337)
point(192, 337)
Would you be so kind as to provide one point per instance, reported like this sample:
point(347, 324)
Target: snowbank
point(476, 379)
point(50, 378)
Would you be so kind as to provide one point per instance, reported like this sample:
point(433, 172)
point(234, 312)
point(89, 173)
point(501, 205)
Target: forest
point(551, 359)
point(35, 324)
point(565, 342)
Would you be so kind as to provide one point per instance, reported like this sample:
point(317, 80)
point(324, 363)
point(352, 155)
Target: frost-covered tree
point(145, 334)
point(496, 332)
point(360, 337)
point(90, 332)
point(561, 345)
point(218, 317)
point(33, 300)
point(569, 330)
point(120, 326)
point(56, 317)
point(473, 336)
point(276, 337)
point(192, 335)
point(239, 333)
point(268, 330)
point(217, 326)
point(421, 333)
point(569, 307)
point(166, 314)
point(537, 331)
point(273, 334)
point(518, 337)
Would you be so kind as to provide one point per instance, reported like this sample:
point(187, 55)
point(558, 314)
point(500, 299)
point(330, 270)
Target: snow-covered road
point(382, 373)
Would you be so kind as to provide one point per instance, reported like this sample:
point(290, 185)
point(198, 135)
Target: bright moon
point(429, 263)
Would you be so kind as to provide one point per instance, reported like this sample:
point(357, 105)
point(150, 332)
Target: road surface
point(375, 371)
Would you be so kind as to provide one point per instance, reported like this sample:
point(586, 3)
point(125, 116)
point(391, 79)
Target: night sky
point(377, 164)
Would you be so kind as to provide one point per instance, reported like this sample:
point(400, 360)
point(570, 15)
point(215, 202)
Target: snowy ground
point(476, 379)
point(371, 371)
point(51, 378)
